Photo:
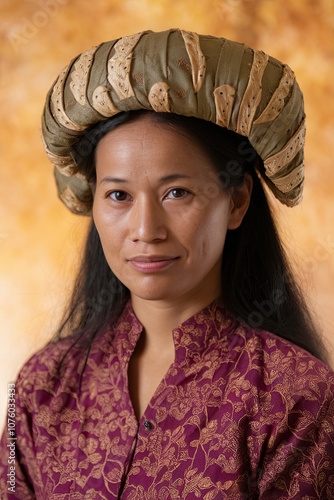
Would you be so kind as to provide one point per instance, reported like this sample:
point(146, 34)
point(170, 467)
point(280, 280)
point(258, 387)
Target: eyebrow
point(170, 177)
point(113, 179)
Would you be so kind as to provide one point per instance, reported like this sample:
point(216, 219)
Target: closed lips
point(152, 264)
point(152, 259)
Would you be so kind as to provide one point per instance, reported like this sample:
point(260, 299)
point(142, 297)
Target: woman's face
point(161, 213)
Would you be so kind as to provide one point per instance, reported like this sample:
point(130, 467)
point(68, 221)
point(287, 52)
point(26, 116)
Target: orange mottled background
point(40, 240)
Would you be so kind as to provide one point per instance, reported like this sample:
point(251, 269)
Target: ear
point(240, 200)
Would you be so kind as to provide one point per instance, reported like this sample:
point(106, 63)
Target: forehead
point(145, 126)
point(153, 145)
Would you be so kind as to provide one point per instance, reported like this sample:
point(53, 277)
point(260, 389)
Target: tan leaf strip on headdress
point(119, 65)
point(276, 103)
point(57, 104)
point(253, 93)
point(278, 161)
point(79, 75)
point(102, 102)
point(65, 164)
point(291, 180)
point(158, 97)
point(71, 200)
point(224, 99)
point(197, 58)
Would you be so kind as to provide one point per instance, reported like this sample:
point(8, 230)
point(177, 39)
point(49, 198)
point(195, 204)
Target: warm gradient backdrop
point(40, 240)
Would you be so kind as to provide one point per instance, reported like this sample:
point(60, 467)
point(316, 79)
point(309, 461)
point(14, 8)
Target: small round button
point(148, 426)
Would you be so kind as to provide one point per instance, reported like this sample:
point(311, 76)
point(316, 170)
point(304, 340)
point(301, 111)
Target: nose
point(147, 221)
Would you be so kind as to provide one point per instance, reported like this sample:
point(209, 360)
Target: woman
point(188, 367)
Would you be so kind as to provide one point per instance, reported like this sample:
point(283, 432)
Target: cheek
point(205, 248)
point(106, 227)
point(211, 234)
point(211, 242)
point(98, 220)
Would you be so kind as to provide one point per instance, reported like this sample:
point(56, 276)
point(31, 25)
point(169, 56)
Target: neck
point(160, 317)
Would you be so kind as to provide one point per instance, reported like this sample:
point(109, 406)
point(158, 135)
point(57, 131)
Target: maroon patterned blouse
point(240, 414)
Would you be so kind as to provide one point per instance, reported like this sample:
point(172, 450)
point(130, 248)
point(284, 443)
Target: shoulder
point(280, 369)
point(276, 350)
point(55, 369)
point(62, 366)
point(43, 369)
point(275, 353)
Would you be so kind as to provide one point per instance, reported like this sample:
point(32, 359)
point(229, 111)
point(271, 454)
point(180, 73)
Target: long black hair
point(258, 286)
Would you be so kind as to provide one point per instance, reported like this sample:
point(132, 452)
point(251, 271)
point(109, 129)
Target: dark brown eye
point(118, 195)
point(177, 193)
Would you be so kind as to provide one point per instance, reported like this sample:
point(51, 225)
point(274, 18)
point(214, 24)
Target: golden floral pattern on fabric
point(240, 414)
point(253, 93)
point(80, 75)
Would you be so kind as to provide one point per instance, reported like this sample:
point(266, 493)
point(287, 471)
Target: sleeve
point(299, 460)
point(17, 449)
point(23, 470)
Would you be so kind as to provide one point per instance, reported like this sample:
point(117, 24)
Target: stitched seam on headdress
point(276, 103)
point(252, 96)
point(57, 104)
point(197, 58)
point(80, 74)
point(277, 162)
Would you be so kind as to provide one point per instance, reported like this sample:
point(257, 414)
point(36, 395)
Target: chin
point(153, 291)
point(153, 287)
point(152, 294)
